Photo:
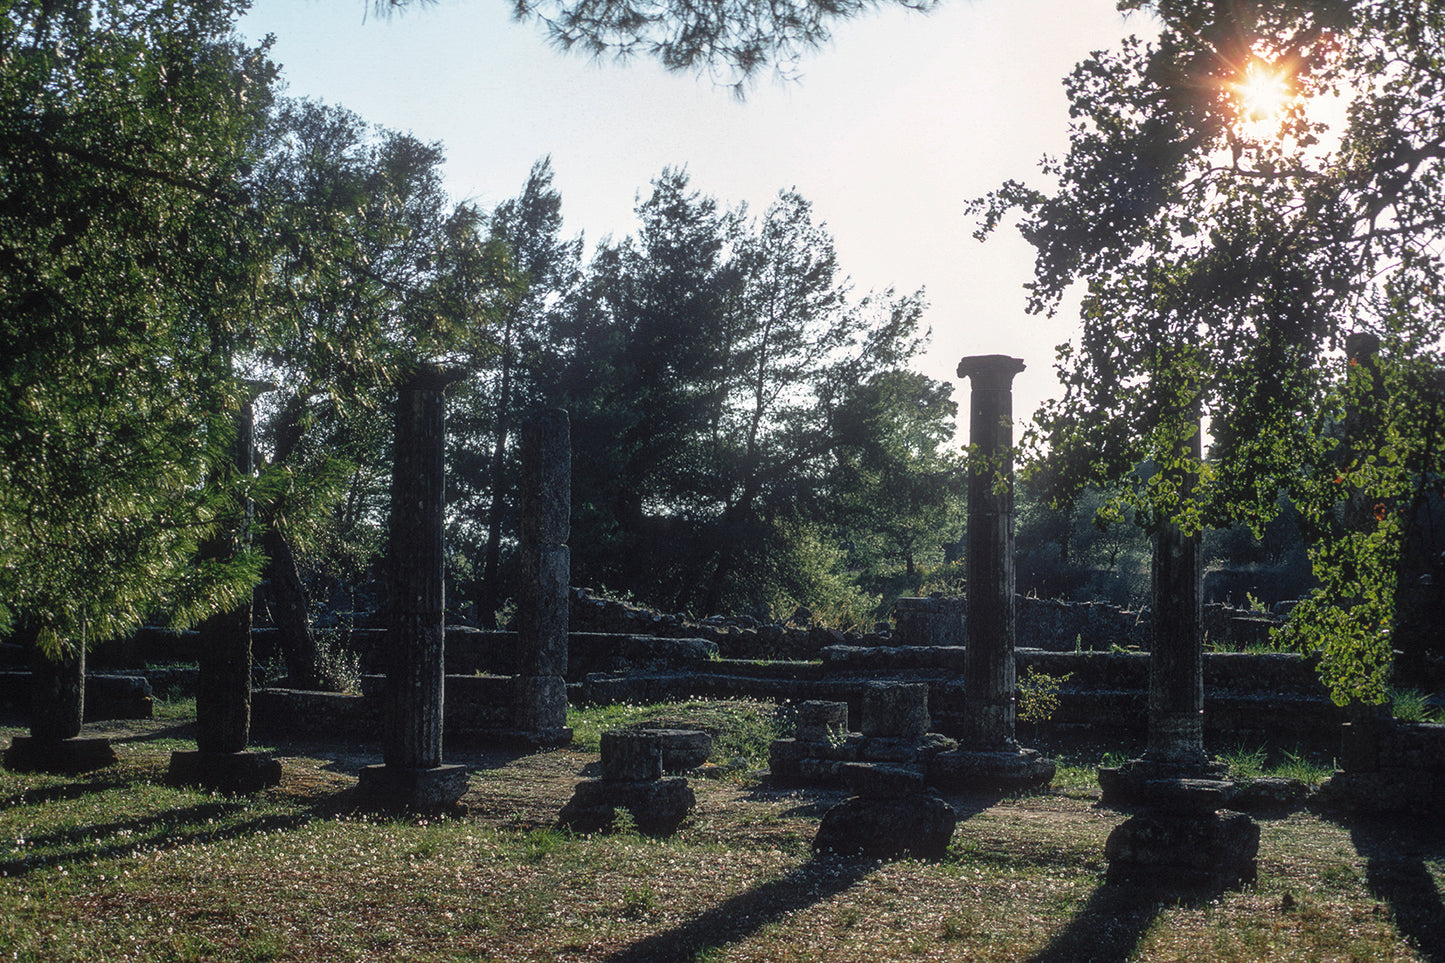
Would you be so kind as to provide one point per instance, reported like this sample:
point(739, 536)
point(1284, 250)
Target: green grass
point(741, 728)
point(118, 866)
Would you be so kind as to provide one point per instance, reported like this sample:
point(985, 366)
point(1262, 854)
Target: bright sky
point(889, 131)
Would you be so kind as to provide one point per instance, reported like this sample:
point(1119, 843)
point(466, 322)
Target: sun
point(1263, 92)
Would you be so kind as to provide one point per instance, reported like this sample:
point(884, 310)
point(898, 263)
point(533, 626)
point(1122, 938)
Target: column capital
point(990, 370)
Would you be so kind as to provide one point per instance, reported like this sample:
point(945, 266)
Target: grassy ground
point(118, 866)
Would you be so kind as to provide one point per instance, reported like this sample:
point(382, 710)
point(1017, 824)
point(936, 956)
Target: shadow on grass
point(1395, 853)
point(167, 829)
point(1108, 928)
point(737, 918)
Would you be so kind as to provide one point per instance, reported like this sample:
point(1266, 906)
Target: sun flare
point(1263, 93)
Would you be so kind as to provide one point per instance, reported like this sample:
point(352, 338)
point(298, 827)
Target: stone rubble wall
point(1390, 767)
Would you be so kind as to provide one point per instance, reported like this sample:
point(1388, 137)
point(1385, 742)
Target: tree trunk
point(291, 611)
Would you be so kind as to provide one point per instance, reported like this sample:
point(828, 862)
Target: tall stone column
point(988, 667)
point(223, 689)
point(412, 774)
point(989, 755)
point(1176, 654)
point(540, 687)
point(1178, 835)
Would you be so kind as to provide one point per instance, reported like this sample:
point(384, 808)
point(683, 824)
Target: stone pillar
point(1176, 654)
point(988, 668)
point(412, 775)
point(223, 689)
point(540, 693)
point(988, 755)
point(1178, 835)
point(57, 712)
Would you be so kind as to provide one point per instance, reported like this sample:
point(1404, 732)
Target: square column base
point(69, 756)
point(1004, 770)
point(235, 773)
point(421, 790)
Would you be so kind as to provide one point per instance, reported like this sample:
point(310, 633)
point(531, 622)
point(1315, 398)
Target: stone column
point(540, 687)
point(412, 775)
point(988, 668)
point(58, 711)
point(223, 689)
point(1176, 654)
point(988, 755)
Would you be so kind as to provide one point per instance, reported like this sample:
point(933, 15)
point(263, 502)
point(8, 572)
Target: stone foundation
point(233, 773)
point(416, 790)
point(68, 756)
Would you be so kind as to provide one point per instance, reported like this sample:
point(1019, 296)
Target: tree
point(1229, 248)
point(487, 408)
point(743, 36)
point(125, 254)
point(372, 271)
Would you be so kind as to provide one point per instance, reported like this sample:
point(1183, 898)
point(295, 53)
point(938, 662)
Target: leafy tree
point(1229, 249)
point(486, 409)
point(125, 127)
point(742, 36)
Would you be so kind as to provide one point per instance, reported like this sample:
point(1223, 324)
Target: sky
point(888, 130)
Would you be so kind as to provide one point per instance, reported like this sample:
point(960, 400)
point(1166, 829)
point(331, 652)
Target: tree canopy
point(1241, 193)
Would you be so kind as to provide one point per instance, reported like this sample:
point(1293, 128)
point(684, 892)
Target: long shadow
point(150, 833)
point(181, 730)
point(813, 882)
point(1108, 928)
point(1395, 853)
point(64, 792)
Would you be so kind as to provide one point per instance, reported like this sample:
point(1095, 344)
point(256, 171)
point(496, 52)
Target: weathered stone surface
point(1004, 770)
point(785, 756)
point(820, 721)
point(71, 756)
point(682, 749)
point(1214, 852)
point(889, 750)
point(629, 755)
point(1183, 789)
point(1268, 794)
point(227, 772)
point(419, 790)
point(875, 780)
point(656, 807)
point(539, 702)
point(895, 709)
point(542, 609)
point(918, 826)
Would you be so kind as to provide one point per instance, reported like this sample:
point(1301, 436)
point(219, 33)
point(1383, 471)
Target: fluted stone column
point(413, 775)
point(1176, 654)
point(988, 667)
point(540, 687)
point(223, 690)
point(988, 754)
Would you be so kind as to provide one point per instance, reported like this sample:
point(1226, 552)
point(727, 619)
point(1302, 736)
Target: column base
point(919, 825)
point(656, 806)
point(1006, 770)
point(1170, 786)
point(1210, 851)
point(424, 790)
point(234, 773)
point(68, 756)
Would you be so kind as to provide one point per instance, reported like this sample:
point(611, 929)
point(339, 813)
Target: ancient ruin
point(633, 764)
point(412, 774)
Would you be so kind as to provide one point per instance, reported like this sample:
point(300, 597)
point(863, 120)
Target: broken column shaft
point(540, 693)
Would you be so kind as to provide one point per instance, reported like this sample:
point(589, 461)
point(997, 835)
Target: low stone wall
point(1390, 767)
point(106, 696)
point(477, 706)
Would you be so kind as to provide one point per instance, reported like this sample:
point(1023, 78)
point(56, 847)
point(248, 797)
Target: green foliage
point(1411, 705)
point(1244, 763)
point(1227, 263)
point(1038, 695)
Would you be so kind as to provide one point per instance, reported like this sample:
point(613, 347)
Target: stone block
point(233, 773)
point(431, 789)
point(1211, 852)
point(888, 750)
point(895, 709)
point(873, 780)
point(656, 807)
point(69, 756)
point(630, 756)
point(820, 721)
point(918, 826)
point(784, 759)
point(1007, 770)
point(682, 749)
